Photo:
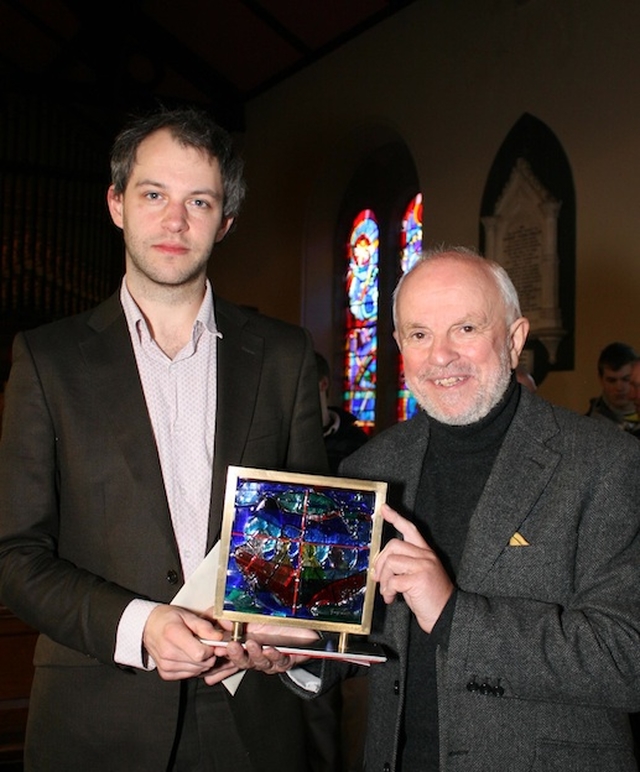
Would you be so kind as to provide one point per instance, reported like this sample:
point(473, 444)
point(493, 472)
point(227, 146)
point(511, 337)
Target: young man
point(119, 426)
point(614, 372)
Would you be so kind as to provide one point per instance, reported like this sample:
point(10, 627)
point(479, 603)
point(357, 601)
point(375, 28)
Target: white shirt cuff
point(129, 649)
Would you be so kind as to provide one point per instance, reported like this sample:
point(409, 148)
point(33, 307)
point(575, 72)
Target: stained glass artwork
point(296, 549)
point(410, 250)
point(361, 342)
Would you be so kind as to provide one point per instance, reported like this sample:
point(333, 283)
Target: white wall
point(450, 78)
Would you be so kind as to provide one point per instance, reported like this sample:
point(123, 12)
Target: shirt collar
point(135, 318)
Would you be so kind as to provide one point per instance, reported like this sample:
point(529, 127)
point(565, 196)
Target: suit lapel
point(114, 375)
point(239, 367)
point(523, 468)
point(407, 465)
point(402, 469)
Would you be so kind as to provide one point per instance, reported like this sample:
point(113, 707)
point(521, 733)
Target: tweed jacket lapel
point(523, 468)
point(403, 463)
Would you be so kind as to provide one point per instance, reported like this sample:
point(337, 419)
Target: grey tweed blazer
point(549, 631)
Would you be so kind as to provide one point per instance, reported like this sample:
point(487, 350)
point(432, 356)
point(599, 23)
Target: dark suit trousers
point(258, 730)
point(205, 718)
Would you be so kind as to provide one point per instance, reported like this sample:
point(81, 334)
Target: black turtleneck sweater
point(455, 469)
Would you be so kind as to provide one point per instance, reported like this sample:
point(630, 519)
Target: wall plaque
point(521, 235)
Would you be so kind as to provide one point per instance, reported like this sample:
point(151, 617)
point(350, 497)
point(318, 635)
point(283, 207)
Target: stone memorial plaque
point(521, 235)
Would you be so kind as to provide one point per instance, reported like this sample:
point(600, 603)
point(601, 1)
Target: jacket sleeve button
point(172, 576)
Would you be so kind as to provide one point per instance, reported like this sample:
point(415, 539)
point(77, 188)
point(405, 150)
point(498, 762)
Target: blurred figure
point(634, 385)
point(341, 433)
point(614, 372)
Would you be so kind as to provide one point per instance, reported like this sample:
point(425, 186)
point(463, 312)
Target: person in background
point(634, 385)
point(341, 433)
point(614, 372)
point(510, 596)
point(118, 429)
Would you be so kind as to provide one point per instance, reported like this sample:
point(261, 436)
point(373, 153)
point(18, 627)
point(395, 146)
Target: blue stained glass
point(362, 273)
point(410, 249)
point(361, 344)
point(299, 552)
point(411, 234)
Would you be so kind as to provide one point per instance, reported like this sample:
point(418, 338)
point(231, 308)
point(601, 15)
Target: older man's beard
point(487, 397)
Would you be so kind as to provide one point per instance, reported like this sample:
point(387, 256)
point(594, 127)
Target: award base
point(342, 646)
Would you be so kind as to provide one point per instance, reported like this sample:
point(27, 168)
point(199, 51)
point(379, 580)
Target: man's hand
point(171, 638)
point(258, 652)
point(410, 567)
point(222, 669)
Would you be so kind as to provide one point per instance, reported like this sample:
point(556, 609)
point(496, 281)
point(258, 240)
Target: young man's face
point(615, 387)
point(170, 212)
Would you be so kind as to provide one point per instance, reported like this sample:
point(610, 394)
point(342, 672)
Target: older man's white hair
point(505, 286)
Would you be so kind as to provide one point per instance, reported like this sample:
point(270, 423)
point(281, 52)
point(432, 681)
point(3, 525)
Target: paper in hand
point(197, 594)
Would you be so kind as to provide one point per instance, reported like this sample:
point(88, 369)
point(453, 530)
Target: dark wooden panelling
point(17, 641)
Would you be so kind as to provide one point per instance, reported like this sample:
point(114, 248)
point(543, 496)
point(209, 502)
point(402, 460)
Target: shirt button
point(172, 576)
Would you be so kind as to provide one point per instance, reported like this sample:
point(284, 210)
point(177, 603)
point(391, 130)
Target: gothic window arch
point(528, 225)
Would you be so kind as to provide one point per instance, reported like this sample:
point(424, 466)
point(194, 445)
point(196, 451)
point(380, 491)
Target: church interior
point(337, 107)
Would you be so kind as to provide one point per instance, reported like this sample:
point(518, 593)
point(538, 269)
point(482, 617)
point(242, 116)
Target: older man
point(511, 607)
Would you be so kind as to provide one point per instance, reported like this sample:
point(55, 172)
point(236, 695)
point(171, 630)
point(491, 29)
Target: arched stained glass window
point(361, 343)
point(410, 248)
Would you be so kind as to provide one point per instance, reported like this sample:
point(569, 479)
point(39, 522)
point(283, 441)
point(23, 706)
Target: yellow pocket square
point(518, 540)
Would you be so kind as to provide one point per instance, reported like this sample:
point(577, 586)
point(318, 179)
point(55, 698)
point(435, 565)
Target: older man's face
point(457, 349)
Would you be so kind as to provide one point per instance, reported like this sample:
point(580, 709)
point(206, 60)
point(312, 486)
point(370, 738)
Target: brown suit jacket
point(85, 525)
